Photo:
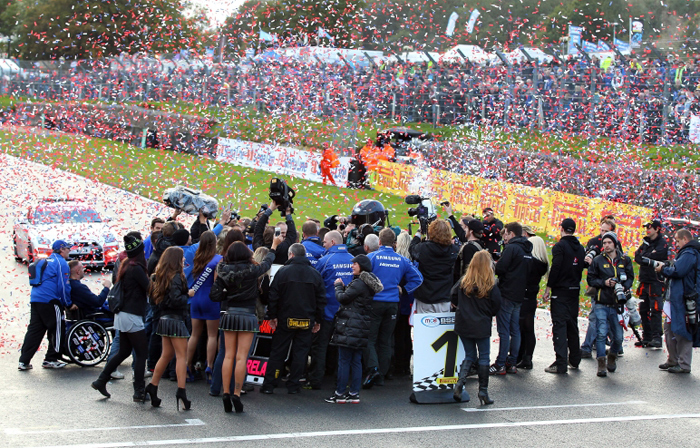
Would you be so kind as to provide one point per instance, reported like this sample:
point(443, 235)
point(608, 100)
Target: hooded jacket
point(236, 284)
point(656, 249)
point(513, 269)
point(393, 270)
point(474, 316)
point(567, 264)
point(685, 278)
point(353, 318)
point(297, 295)
point(436, 264)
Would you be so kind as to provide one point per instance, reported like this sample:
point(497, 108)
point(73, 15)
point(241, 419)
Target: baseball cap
point(655, 224)
point(529, 231)
point(475, 226)
point(569, 225)
point(60, 244)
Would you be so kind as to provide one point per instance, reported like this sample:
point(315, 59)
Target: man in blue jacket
point(312, 243)
point(47, 302)
point(392, 269)
point(80, 294)
point(337, 263)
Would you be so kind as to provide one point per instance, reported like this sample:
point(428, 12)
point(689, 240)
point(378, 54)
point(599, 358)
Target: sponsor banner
point(278, 159)
point(437, 354)
point(541, 208)
point(694, 129)
point(574, 38)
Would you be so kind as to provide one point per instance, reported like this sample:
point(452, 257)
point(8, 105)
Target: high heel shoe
point(484, 385)
point(236, 400)
point(190, 376)
point(208, 373)
point(181, 395)
point(152, 392)
point(227, 403)
point(484, 398)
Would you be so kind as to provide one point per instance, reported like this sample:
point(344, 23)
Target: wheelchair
point(88, 337)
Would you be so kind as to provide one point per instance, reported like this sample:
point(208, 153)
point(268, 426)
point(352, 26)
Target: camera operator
point(289, 239)
point(564, 286)
point(612, 274)
point(492, 233)
point(654, 248)
point(436, 259)
point(594, 247)
point(473, 245)
point(681, 307)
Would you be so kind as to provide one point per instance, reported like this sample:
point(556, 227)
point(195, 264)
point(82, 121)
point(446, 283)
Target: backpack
point(115, 298)
point(36, 272)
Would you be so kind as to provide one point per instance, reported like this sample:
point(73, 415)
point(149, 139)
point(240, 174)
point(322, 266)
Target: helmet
point(368, 211)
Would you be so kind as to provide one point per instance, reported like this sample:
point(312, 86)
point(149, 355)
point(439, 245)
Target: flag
point(602, 46)
point(451, 24)
point(589, 47)
point(621, 45)
point(472, 20)
point(574, 38)
point(267, 37)
point(323, 33)
point(637, 34)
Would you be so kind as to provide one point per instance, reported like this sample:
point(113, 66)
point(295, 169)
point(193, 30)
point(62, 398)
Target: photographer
point(492, 233)
point(457, 226)
point(473, 244)
point(681, 307)
point(654, 247)
point(436, 258)
point(612, 274)
point(290, 238)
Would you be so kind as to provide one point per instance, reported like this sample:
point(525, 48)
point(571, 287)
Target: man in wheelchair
point(88, 302)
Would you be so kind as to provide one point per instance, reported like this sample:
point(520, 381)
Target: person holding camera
point(612, 274)
point(564, 286)
point(654, 248)
point(491, 236)
point(681, 306)
point(289, 239)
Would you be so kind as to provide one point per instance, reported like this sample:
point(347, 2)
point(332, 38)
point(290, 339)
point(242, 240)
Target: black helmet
point(368, 211)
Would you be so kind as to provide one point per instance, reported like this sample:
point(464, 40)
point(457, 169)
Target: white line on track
point(584, 405)
point(19, 431)
point(245, 438)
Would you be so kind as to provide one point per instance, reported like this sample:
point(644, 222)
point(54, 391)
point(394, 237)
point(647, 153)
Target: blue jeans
point(508, 324)
point(349, 369)
point(470, 351)
point(216, 380)
point(591, 333)
point(606, 320)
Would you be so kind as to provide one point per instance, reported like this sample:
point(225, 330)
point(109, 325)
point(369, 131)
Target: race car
point(74, 221)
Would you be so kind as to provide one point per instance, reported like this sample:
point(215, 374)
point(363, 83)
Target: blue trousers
point(349, 369)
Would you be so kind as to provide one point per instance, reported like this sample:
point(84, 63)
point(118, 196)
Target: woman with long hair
point(134, 283)
point(263, 283)
point(169, 292)
point(236, 287)
point(539, 266)
point(478, 300)
point(203, 311)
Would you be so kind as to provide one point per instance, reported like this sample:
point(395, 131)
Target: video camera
point(425, 210)
point(282, 194)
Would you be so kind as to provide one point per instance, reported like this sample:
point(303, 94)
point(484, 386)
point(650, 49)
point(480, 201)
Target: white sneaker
point(22, 366)
point(117, 375)
point(147, 374)
point(53, 364)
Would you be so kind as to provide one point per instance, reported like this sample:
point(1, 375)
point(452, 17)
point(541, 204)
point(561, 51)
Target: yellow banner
point(540, 208)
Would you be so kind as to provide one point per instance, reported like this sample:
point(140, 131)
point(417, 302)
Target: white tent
point(473, 53)
point(414, 57)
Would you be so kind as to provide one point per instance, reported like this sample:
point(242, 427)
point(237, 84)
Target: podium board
point(437, 355)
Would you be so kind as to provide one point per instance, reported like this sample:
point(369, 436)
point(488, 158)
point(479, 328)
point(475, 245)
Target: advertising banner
point(437, 355)
point(278, 159)
point(574, 38)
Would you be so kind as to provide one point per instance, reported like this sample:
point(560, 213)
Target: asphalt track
point(637, 405)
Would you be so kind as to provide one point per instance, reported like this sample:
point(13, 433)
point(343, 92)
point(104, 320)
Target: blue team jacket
point(55, 283)
point(392, 268)
point(314, 251)
point(337, 263)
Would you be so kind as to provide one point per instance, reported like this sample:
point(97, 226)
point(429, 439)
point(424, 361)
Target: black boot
point(139, 392)
point(152, 392)
point(228, 407)
point(181, 395)
point(459, 386)
point(484, 385)
point(100, 384)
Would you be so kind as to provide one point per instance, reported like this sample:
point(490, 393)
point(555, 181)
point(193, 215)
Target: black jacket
point(134, 286)
point(236, 284)
point(474, 316)
point(492, 236)
point(283, 248)
point(513, 269)
point(457, 227)
point(353, 319)
point(198, 229)
point(567, 264)
point(159, 247)
point(436, 264)
point(297, 293)
point(602, 269)
point(656, 250)
point(597, 243)
point(466, 253)
point(537, 270)
point(175, 302)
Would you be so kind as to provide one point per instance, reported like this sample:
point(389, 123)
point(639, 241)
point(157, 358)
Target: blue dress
point(201, 306)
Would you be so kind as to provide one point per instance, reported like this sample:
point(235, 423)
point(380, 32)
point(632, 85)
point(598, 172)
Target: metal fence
point(644, 101)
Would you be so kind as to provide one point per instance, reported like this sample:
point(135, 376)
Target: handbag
point(115, 298)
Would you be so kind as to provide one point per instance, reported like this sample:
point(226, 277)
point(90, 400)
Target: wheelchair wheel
point(88, 343)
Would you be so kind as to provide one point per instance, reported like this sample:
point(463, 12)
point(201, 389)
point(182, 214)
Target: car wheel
point(14, 242)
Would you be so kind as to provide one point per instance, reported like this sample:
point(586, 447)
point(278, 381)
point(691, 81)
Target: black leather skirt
point(172, 326)
point(239, 319)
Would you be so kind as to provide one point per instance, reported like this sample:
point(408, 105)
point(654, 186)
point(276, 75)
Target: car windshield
point(65, 215)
